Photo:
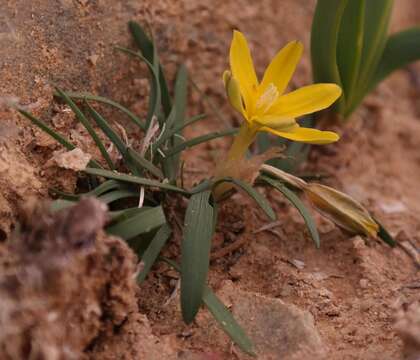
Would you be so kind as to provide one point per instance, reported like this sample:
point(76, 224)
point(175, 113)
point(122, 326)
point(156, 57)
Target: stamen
point(267, 98)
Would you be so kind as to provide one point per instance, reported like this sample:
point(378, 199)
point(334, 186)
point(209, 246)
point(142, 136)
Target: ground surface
point(353, 292)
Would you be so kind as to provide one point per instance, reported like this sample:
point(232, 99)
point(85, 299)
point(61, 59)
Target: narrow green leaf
point(134, 179)
point(140, 223)
point(350, 45)
point(146, 47)
point(227, 322)
point(253, 193)
point(199, 140)
point(155, 94)
point(377, 15)
point(299, 205)
point(324, 37)
point(178, 129)
point(56, 136)
point(223, 316)
point(152, 252)
point(85, 122)
point(401, 49)
point(195, 253)
point(180, 104)
point(112, 196)
point(101, 99)
point(142, 162)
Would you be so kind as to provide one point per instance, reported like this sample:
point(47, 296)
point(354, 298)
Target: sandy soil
point(363, 296)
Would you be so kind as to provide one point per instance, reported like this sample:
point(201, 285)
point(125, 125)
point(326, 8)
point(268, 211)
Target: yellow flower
point(263, 104)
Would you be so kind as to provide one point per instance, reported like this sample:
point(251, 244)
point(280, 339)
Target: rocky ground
point(354, 298)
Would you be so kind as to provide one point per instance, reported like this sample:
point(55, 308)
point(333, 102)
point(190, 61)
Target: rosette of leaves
point(350, 46)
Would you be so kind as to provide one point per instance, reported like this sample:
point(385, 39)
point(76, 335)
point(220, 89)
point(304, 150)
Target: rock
point(364, 283)
point(408, 327)
point(75, 159)
point(277, 329)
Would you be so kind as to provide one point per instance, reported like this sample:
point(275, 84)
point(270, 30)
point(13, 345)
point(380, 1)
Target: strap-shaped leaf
point(253, 193)
point(139, 223)
point(134, 179)
point(55, 135)
point(377, 15)
point(298, 204)
point(223, 316)
point(101, 99)
point(112, 196)
point(350, 45)
point(147, 48)
point(401, 49)
point(324, 37)
point(227, 322)
point(153, 250)
point(142, 162)
point(195, 253)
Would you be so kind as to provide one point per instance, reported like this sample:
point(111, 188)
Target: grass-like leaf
point(195, 253)
point(223, 316)
point(147, 48)
point(324, 37)
point(112, 196)
point(153, 250)
point(350, 45)
point(146, 164)
point(199, 140)
point(134, 179)
point(401, 49)
point(155, 95)
point(139, 223)
point(104, 100)
point(253, 193)
point(55, 135)
point(298, 204)
point(85, 122)
point(385, 235)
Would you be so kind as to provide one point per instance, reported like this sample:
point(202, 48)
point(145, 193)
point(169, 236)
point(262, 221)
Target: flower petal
point(305, 100)
point(306, 135)
point(282, 67)
point(233, 92)
point(242, 68)
point(276, 122)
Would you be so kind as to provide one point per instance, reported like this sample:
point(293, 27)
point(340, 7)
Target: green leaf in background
point(324, 37)
point(153, 250)
point(87, 96)
point(139, 223)
point(195, 253)
point(147, 48)
point(133, 179)
point(299, 205)
point(350, 45)
point(401, 49)
point(223, 316)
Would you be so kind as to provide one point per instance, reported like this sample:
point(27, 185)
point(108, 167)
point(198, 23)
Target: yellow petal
point(306, 135)
point(243, 68)
point(282, 67)
point(233, 92)
point(305, 100)
point(276, 122)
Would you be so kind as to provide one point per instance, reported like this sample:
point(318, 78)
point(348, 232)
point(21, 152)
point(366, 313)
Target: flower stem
point(230, 167)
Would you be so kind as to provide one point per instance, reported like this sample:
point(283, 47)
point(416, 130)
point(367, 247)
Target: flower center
point(267, 98)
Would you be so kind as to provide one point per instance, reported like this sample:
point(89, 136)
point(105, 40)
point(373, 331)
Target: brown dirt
point(356, 289)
